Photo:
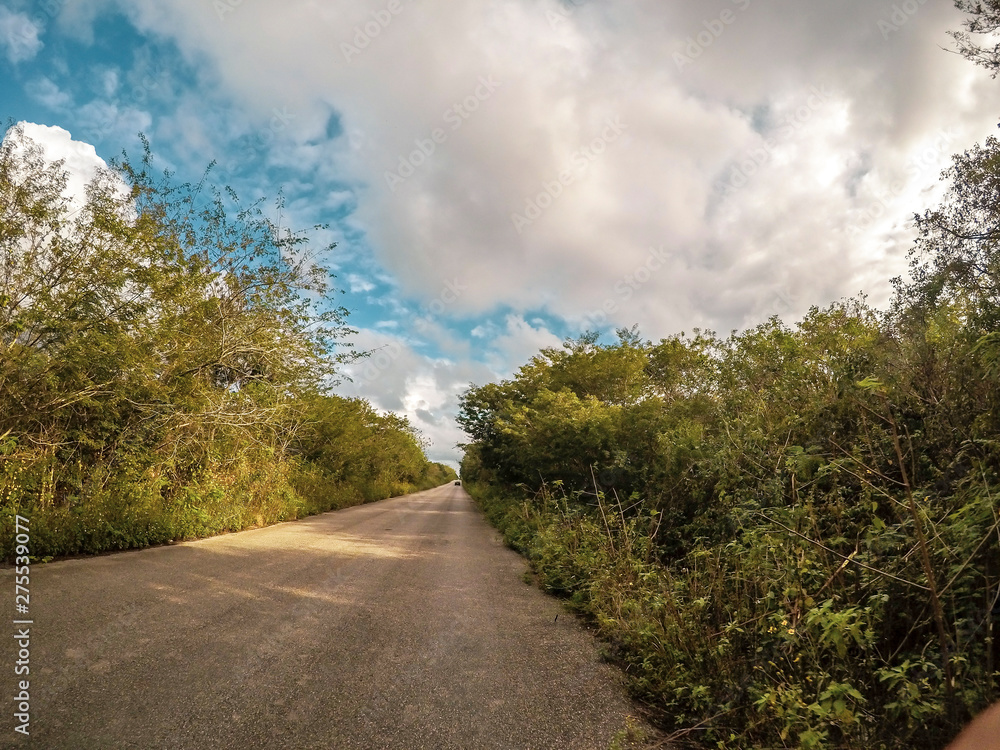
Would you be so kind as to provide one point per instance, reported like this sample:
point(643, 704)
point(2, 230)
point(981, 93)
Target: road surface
point(400, 624)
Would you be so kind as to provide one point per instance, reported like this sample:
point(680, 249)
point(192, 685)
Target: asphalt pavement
point(399, 624)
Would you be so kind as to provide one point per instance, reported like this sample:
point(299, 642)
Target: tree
point(984, 20)
point(956, 258)
point(151, 316)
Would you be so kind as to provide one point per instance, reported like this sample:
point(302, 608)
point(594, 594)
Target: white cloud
point(47, 93)
point(398, 378)
point(518, 343)
point(482, 331)
point(108, 120)
point(19, 36)
point(108, 81)
point(358, 284)
point(81, 161)
point(415, 96)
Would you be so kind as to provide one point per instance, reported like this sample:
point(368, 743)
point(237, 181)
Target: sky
point(500, 175)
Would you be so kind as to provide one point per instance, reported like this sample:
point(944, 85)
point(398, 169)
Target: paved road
point(400, 624)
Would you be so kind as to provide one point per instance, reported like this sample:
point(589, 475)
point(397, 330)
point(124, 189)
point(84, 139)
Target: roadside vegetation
point(790, 536)
point(165, 359)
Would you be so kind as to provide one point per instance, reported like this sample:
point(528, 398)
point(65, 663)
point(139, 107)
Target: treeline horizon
point(166, 363)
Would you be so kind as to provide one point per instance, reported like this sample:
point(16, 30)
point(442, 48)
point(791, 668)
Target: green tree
point(955, 261)
point(144, 315)
point(983, 21)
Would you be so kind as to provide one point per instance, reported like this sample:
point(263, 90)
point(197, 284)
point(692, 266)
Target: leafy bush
point(790, 535)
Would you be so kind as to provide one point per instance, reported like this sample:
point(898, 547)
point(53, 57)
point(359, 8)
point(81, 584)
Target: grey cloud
point(656, 184)
point(792, 234)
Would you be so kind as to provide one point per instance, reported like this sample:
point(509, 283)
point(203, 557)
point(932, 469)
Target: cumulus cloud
point(46, 92)
point(745, 138)
point(538, 154)
point(398, 378)
point(517, 342)
point(19, 35)
point(358, 284)
point(80, 160)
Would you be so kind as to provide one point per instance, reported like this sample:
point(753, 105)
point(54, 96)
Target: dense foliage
point(790, 535)
point(163, 362)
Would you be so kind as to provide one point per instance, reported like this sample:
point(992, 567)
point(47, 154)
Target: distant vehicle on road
point(457, 484)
